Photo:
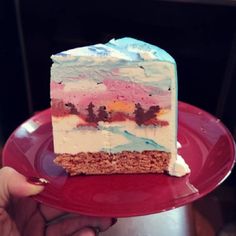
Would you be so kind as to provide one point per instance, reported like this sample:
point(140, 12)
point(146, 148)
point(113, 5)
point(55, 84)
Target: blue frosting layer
point(125, 48)
point(127, 44)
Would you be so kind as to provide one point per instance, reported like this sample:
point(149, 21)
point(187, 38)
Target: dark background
point(201, 37)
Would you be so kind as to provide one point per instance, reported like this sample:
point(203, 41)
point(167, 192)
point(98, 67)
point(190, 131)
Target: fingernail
point(88, 230)
point(113, 221)
point(37, 181)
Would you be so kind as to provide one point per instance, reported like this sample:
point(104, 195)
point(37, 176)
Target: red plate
point(207, 146)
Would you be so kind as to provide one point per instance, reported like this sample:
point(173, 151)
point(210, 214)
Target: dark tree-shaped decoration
point(139, 114)
point(91, 115)
point(73, 109)
point(151, 113)
point(102, 114)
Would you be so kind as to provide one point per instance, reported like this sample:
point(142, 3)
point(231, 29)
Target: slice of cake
point(114, 109)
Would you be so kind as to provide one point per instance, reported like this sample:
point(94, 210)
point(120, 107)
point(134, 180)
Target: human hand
point(24, 216)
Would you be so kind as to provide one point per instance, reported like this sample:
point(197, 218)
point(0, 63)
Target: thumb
point(14, 183)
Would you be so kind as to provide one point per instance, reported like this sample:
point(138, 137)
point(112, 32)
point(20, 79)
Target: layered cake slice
point(114, 109)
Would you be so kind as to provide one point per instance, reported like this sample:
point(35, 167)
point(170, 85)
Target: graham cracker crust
point(125, 162)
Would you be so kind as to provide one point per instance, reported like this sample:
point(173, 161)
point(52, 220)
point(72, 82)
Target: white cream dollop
point(179, 167)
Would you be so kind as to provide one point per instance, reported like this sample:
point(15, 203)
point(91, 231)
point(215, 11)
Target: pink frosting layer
point(116, 90)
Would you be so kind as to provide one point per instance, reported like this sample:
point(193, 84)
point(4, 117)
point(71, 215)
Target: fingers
point(75, 223)
point(50, 213)
point(7, 226)
point(86, 232)
point(13, 183)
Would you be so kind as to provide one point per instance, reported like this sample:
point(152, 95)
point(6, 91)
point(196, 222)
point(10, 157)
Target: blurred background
point(200, 35)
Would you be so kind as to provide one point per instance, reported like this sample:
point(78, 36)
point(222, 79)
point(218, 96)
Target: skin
point(21, 215)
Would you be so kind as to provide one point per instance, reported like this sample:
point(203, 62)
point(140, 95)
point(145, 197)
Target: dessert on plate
point(114, 109)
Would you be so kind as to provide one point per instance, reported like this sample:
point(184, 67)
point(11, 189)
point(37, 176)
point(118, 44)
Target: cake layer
point(124, 162)
point(72, 137)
